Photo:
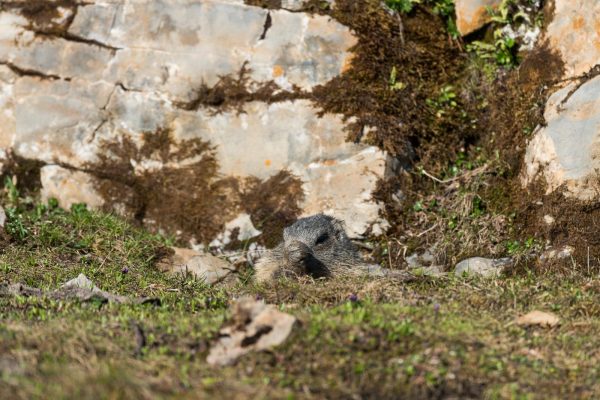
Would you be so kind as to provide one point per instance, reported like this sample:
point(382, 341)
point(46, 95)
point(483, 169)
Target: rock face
point(575, 34)
point(565, 152)
point(473, 14)
point(80, 82)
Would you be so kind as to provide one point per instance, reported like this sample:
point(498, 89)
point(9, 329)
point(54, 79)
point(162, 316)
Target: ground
point(458, 122)
point(431, 338)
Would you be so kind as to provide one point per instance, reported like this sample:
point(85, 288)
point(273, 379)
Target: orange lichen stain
point(329, 163)
point(277, 71)
point(597, 30)
point(578, 22)
point(347, 62)
point(267, 163)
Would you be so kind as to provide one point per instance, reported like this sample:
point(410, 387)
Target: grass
point(431, 338)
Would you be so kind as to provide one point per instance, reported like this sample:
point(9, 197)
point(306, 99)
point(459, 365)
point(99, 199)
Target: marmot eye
point(323, 238)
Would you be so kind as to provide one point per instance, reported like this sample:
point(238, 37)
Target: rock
point(132, 70)
point(161, 40)
point(416, 260)
point(538, 318)
point(344, 189)
point(557, 254)
point(255, 326)
point(79, 288)
point(204, 266)
point(2, 217)
point(83, 289)
point(556, 154)
point(484, 267)
point(243, 227)
point(549, 219)
point(69, 187)
point(574, 34)
point(473, 14)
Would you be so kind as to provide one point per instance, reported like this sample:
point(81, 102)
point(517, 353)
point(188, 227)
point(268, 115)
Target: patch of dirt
point(575, 223)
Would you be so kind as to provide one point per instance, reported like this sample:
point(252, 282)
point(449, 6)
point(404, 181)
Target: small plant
point(445, 100)
point(393, 82)
point(445, 9)
point(402, 6)
point(503, 51)
point(505, 44)
point(11, 190)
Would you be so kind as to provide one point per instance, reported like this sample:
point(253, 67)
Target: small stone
point(554, 254)
point(416, 260)
point(2, 217)
point(204, 266)
point(549, 220)
point(538, 318)
point(255, 326)
point(484, 267)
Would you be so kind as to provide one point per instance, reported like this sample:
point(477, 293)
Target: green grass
point(430, 338)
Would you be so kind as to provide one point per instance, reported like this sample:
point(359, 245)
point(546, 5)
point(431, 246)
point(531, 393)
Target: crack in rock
point(267, 26)
point(20, 71)
point(78, 39)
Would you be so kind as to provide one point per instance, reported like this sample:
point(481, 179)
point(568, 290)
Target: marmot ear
point(339, 227)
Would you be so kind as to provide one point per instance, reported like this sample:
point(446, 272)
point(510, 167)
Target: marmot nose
point(297, 252)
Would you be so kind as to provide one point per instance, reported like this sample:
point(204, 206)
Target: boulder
point(565, 152)
point(124, 72)
point(574, 33)
point(473, 14)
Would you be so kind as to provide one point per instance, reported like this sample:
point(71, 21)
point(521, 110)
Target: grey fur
point(317, 246)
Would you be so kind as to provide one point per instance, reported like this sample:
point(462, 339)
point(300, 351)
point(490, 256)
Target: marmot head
point(313, 245)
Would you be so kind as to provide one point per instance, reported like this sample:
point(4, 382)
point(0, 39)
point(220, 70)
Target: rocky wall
point(119, 99)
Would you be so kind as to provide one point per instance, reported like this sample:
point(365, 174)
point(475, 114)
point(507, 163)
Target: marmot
point(317, 246)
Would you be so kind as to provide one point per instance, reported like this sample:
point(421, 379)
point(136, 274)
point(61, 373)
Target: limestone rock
point(473, 14)
point(242, 224)
point(69, 187)
point(343, 188)
point(80, 288)
point(538, 318)
point(202, 265)
point(484, 267)
point(574, 33)
point(131, 69)
point(566, 150)
point(255, 326)
point(556, 254)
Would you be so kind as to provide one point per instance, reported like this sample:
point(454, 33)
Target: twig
point(476, 171)
point(428, 230)
point(400, 27)
point(427, 174)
